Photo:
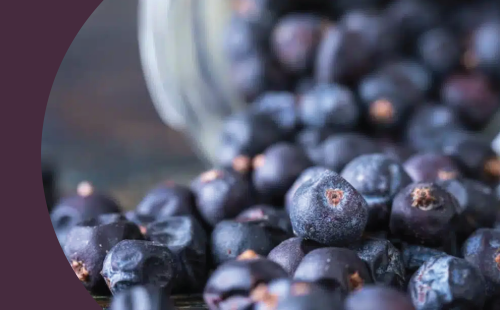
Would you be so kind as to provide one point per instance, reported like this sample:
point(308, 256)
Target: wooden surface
point(194, 302)
point(100, 123)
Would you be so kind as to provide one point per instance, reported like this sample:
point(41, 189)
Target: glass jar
point(185, 69)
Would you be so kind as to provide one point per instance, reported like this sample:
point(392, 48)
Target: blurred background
point(100, 124)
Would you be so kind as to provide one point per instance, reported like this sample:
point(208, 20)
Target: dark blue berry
point(378, 179)
point(136, 262)
point(220, 194)
point(424, 213)
point(328, 210)
point(289, 253)
point(447, 282)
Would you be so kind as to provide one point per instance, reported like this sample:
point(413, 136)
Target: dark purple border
point(36, 36)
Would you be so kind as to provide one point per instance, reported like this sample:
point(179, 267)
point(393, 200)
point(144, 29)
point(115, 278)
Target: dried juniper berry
point(86, 204)
point(289, 253)
point(412, 18)
point(142, 297)
point(137, 262)
point(273, 216)
point(328, 210)
point(329, 105)
point(332, 267)
point(415, 256)
point(477, 205)
point(167, 199)
point(388, 97)
point(473, 154)
point(256, 74)
point(378, 178)
point(187, 240)
point(373, 297)
point(343, 56)
point(295, 40)
point(484, 50)
point(280, 107)
point(340, 149)
point(482, 249)
point(230, 238)
point(88, 243)
point(384, 261)
point(239, 277)
point(220, 194)
point(390, 82)
point(247, 134)
point(424, 213)
point(431, 166)
point(306, 175)
point(411, 70)
point(439, 51)
point(275, 170)
point(472, 97)
point(428, 126)
point(447, 282)
point(375, 30)
point(269, 296)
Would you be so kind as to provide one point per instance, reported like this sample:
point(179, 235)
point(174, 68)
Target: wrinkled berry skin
point(332, 267)
point(239, 278)
point(424, 213)
point(329, 106)
point(276, 169)
point(306, 175)
point(378, 298)
point(295, 40)
point(246, 133)
point(186, 239)
point(289, 253)
point(415, 256)
point(341, 149)
point(280, 291)
point(88, 243)
point(477, 205)
point(220, 194)
point(384, 261)
point(145, 297)
point(71, 210)
point(447, 282)
point(280, 107)
point(167, 199)
point(430, 167)
point(231, 238)
point(328, 210)
point(274, 217)
point(378, 178)
point(482, 249)
point(137, 262)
